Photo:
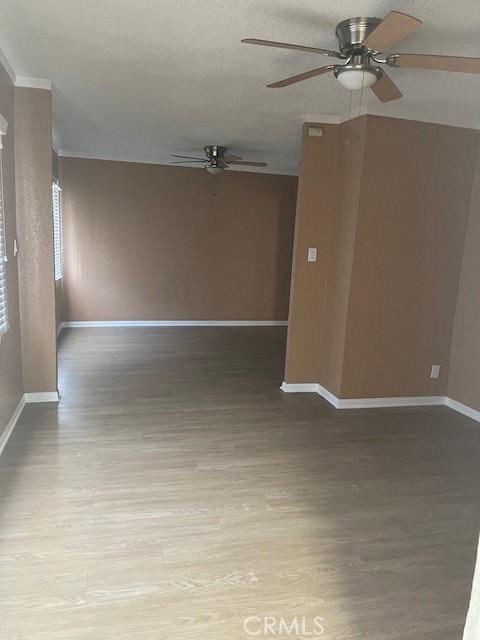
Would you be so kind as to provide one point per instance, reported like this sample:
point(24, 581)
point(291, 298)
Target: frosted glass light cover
point(356, 79)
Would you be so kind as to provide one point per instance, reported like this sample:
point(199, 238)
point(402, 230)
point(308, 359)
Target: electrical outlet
point(435, 372)
point(312, 254)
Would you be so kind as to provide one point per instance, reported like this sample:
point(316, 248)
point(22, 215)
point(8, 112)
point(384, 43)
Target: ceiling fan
point(216, 160)
point(362, 42)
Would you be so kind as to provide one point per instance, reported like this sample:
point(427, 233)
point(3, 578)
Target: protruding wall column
point(313, 228)
point(33, 159)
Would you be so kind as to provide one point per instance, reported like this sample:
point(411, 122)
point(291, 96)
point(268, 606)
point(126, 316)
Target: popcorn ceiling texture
point(139, 80)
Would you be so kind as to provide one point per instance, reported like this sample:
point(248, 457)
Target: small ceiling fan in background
point(361, 44)
point(216, 160)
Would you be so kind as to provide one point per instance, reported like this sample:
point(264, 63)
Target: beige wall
point(464, 376)
point(33, 160)
point(376, 311)
point(152, 242)
point(313, 228)
point(413, 207)
point(11, 387)
point(352, 137)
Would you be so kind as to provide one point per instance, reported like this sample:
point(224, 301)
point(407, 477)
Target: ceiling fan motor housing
point(215, 151)
point(353, 32)
point(215, 155)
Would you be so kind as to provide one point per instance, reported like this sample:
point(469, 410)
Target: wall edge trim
point(81, 155)
point(85, 324)
point(10, 426)
point(42, 396)
point(6, 64)
point(33, 83)
point(327, 118)
point(376, 403)
point(459, 407)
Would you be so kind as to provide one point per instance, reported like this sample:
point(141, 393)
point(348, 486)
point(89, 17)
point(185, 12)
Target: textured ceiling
point(139, 79)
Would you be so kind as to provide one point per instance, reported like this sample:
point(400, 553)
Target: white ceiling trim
point(365, 111)
point(87, 156)
point(322, 119)
point(22, 81)
point(7, 66)
point(33, 83)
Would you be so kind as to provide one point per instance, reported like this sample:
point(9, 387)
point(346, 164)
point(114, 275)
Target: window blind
point(3, 257)
point(57, 229)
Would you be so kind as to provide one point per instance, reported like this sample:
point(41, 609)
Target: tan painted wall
point(314, 227)
point(376, 311)
point(327, 208)
point(11, 387)
point(33, 158)
point(349, 179)
point(464, 375)
point(152, 242)
point(414, 200)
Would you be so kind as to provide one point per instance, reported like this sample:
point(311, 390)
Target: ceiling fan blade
point(295, 47)
point(172, 155)
point(385, 89)
point(301, 76)
point(392, 29)
point(247, 163)
point(231, 158)
point(436, 63)
point(188, 162)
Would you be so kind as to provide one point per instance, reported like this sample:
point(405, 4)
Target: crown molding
point(33, 83)
point(369, 111)
point(326, 118)
point(5, 62)
point(23, 81)
point(135, 160)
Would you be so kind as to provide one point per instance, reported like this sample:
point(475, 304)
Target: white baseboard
point(46, 396)
point(7, 432)
point(171, 323)
point(289, 387)
point(310, 387)
point(463, 408)
point(374, 403)
point(42, 396)
point(403, 401)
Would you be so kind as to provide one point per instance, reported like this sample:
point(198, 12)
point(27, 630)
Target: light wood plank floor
point(176, 490)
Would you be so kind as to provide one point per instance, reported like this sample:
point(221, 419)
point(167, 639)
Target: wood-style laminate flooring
point(175, 491)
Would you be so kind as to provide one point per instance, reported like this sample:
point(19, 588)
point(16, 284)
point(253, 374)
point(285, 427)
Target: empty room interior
point(239, 320)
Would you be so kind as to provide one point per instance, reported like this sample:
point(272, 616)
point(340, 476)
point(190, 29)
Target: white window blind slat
point(3, 258)
point(57, 229)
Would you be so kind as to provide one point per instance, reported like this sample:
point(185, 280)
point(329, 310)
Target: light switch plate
point(435, 372)
point(312, 254)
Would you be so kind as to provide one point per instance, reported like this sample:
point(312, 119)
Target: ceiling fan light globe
point(356, 79)
point(214, 170)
